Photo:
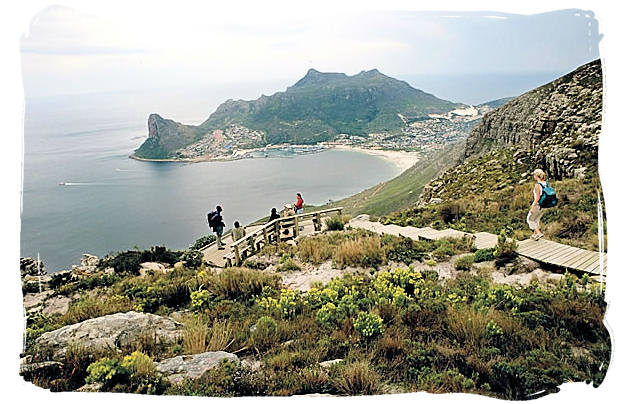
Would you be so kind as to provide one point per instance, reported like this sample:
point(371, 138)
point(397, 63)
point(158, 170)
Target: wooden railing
point(274, 231)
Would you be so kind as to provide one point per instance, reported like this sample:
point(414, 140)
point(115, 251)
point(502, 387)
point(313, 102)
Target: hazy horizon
point(492, 54)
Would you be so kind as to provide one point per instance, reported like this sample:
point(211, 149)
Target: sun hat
point(288, 206)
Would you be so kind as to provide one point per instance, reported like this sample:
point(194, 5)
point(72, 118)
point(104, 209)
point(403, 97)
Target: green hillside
point(404, 190)
point(317, 108)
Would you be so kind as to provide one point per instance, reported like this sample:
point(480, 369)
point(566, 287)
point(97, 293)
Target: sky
point(72, 51)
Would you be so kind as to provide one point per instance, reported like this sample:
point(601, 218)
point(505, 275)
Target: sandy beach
point(402, 159)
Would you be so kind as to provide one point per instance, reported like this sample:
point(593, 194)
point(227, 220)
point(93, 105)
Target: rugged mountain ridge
point(557, 124)
point(316, 108)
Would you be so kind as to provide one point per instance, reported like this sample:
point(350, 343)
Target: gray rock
point(580, 172)
point(109, 332)
point(251, 364)
point(56, 305)
point(30, 266)
point(89, 260)
point(328, 364)
point(32, 300)
point(40, 369)
point(184, 367)
point(146, 267)
point(90, 388)
point(435, 200)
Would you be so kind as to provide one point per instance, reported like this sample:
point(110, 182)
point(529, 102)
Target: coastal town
point(419, 135)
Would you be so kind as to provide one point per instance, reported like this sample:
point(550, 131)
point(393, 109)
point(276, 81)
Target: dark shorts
point(219, 230)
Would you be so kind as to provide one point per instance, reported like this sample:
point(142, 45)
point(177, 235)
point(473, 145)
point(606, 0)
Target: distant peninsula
point(368, 109)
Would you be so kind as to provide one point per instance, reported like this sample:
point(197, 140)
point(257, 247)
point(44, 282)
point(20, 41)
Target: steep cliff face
point(557, 125)
point(165, 136)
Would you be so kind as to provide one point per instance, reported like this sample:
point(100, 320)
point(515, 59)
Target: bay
point(112, 203)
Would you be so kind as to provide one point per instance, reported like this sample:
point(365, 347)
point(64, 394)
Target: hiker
point(274, 215)
point(238, 232)
point(216, 222)
point(298, 206)
point(544, 196)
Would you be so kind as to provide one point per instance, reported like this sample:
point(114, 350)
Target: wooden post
point(252, 247)
point(237, 255)
point(296, 226)
point(228, 261)
point(278, 232)
point(265, 235)
point(317, 223)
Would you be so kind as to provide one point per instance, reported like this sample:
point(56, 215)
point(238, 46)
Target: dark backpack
point(548, 198)
point(210, 216)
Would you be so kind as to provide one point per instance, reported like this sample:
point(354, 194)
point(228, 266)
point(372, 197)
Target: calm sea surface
point(113, 203)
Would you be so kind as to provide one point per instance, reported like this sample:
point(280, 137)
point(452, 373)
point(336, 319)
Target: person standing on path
point(535, 212)
point(216, 222)
point(298, 207)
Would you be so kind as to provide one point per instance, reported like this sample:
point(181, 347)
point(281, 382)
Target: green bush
point(484, 254)
point(200, 299)
point(203, 242)
point(127, 262)
point(368, 324)
point(465, 263)
point(505, 250)
point(327, 314)
point(288, 264)
point(264, 335)
point(334, 223)
point(107, 371)
point(356, 378)
point(241, 284)
point(60, 278)
point(192, 258)
point(143, 376)
point(404, 249)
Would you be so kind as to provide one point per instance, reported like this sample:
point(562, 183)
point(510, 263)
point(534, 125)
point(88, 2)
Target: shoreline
point(402, 159)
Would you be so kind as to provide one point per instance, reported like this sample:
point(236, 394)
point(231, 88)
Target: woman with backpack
point(543, 197)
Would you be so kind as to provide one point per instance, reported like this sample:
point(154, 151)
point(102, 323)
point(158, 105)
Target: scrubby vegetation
point(486, 194)
point(398, 330)
point(360, 248)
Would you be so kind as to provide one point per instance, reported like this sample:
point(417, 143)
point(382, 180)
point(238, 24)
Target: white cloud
point(68, 50)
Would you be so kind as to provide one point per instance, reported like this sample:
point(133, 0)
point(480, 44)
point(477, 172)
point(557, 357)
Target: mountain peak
point(313, 76)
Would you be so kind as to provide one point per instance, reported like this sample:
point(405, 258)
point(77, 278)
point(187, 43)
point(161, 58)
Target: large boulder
point(113, 331)
point(88, 265)
point(184, 367)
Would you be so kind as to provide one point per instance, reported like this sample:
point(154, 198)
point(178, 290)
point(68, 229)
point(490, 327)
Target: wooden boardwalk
point(283, 229)
point(544, 251)
point(215, 257)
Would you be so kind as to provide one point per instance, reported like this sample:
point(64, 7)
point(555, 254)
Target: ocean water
point(112, 203)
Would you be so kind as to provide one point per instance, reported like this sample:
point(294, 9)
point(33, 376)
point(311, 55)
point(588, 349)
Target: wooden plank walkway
point(217, 258)
point(544, 251)
point(214, 256)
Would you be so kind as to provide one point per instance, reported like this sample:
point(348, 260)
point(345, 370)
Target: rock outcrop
point(113, 331)
point(184, 367)
point(165, 136)
point(30, 266)
point(558, 124)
